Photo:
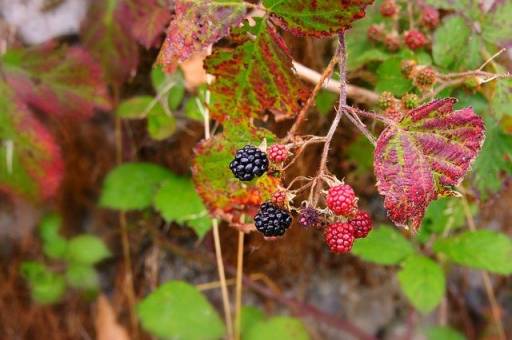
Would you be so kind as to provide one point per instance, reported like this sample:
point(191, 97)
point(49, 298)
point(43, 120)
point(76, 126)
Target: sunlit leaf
point(316, 17)
point(87, 250)
point(197, 25)
point(280, 327)
point(423, 156)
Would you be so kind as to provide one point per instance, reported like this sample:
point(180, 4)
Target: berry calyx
point(410, 101)
point(271, 220)
point(342, 200)
point(249, 162)
point(339, 237)
point(279, 198)
point(392, 42)
point(429, 17)
point(407, 67)
point(310, 217)
point(414, 39)
point(389, 8)
point(425, 78)
point(277, 153)
point(375, 33)
point(361, 223)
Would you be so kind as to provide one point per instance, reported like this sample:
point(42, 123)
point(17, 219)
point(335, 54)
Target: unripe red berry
point(414, 39)
point(410, 101)
point(392, 42)
point(429, 17)
point(376, 33)
point(362, 224)
point(342, 200)
point(407, 67)
point(277, 153)
point(279, 198)
point(389, 8)
point(425, 78)
point(339, 237)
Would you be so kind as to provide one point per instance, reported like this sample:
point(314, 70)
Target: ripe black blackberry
point(272, 220)
point(249, 162)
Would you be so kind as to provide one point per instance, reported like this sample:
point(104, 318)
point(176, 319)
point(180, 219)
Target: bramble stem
point(238, 287)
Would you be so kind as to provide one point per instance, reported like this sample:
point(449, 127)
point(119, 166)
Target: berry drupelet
point(339, 237)
point(249, 162)
point(271, 220)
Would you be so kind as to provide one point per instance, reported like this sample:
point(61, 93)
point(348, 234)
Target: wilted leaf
point(316, 17)
point(59, 81)
point(219, 189)
point(178, 310)
point(106, 33)
point(494, 160)
point(423, 282)
point(197, 25)
point(383, 246)
point(31, 162)
point(255, 76)
point(87, 250)
point(178, 201)
point(150, 19)
point(421, 157)
point(482, 249)
point(132, 186)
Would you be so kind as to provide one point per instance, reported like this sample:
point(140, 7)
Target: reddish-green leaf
point(222, 193)
point(59, 81)
point(30, 159)
point(316, 17)
point(106, 33)
point(198, 24)
point(255, 76)
point(149, 21)
point(418, 159)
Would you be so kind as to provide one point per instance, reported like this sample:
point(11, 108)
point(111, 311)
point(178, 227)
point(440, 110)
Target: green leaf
point(255, 76)
point(383, 246)
point(46, 287)
point(325, 101)
point(450, 4)
point(361, 153)
point(476, 100)
point(501, 101)
point(280, 327)
point(178, 310)
point(132, 186)
point(177, 201)
point(316, 18)
point(54, 245)
point(496, 27)
point(454, 46)
point(82, 277)
point(87, 249)
point(175, 81)
point(161, 125)
point(390, 78)
point(250, 316)
point(423, 282)
point(137, 107)
point(494, 160)
point(443, 333)
point(481, 249)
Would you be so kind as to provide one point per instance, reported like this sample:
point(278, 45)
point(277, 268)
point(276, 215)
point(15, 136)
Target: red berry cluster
point(342, 200)
point(277, 153)
point(414, 39)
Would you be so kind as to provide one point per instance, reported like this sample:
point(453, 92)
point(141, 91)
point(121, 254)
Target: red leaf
point(149, 21)
point(255, 76)
point(35, 167)
point(198, 24)
point(316, 17)
point(106, 35)
point(421, 157)
point(58, 81)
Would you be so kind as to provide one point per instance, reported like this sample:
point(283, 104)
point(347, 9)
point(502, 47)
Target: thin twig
point(303, 112)
point(238, 289)
point(222, 277)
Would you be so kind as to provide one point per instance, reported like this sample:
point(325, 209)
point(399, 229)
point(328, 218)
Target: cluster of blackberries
point(271, 220)
point(249, 162)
